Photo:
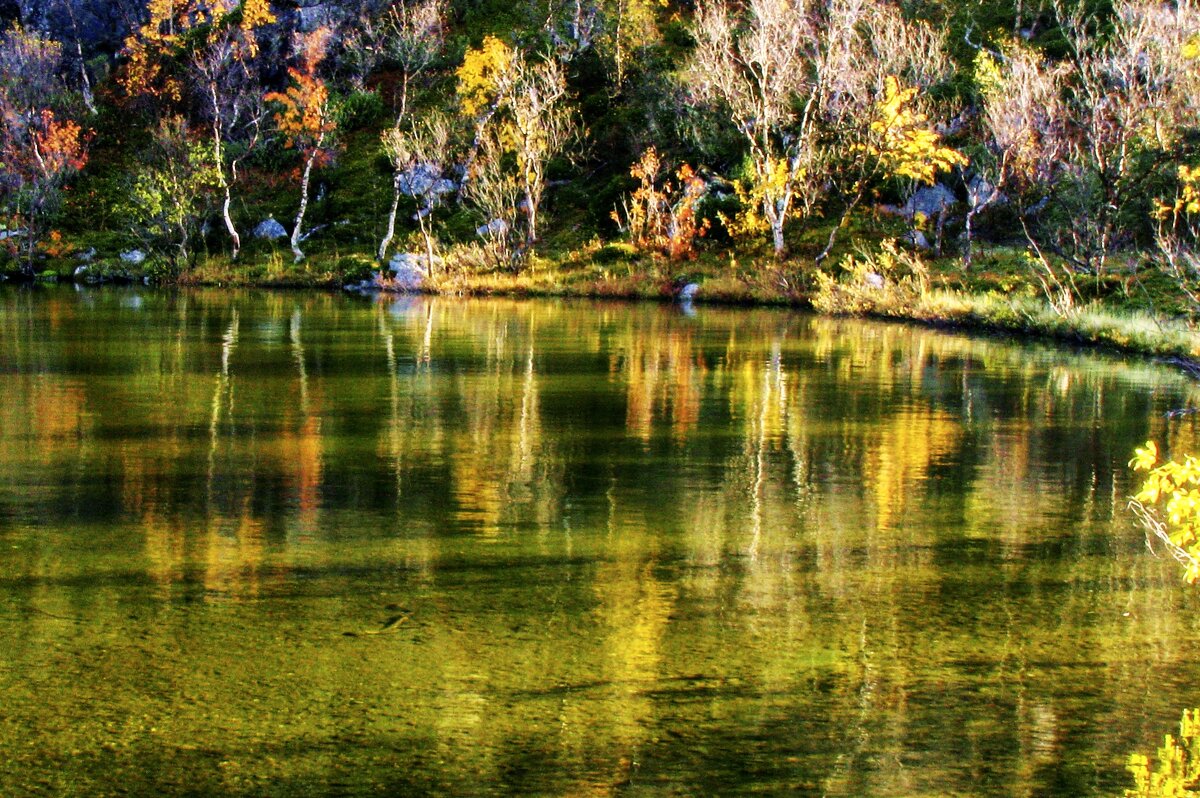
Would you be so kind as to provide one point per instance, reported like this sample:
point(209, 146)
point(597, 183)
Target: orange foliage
point(59, 147)
point(304, 116)
point(54, 245)
point(663, 219)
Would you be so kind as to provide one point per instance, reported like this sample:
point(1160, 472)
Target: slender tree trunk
point(845, 217)
point(219, 160)
point(427, 234)
point(531, 213)
point(391, 222)
point(399, 175)
point(403, 98)
point(943, 214)
point(969, 232)
point(298, 226)
point(85, 83)
point(233, 233)
point(476, 143)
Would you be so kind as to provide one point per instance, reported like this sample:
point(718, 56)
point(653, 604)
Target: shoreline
point(1021, 319)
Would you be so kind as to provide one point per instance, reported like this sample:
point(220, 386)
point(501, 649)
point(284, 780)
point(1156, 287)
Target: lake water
point(305, 544)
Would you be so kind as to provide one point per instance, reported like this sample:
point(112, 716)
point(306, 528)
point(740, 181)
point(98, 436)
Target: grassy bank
point(1132, 313)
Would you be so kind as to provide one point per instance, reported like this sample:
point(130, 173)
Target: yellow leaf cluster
point(902, 139)
point(255, 14)
point(771, 180)
point(1187, 199)
point(1191, 48)
point(150, 46)
point(1177, 773)
point(1171, 493)
point(480, 74)
point(988, 76)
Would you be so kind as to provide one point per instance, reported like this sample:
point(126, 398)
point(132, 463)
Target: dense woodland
point(855, 153)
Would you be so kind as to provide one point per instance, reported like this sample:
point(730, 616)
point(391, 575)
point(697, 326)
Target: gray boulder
point(688, 292)
point(982, 194)
point(929, 201)
point(315, 15)
point(87, 256)
point(411, 260)
point(409, 271)
point(133, 257)
point(270, 229)
point(496, 227)
point(425, 180)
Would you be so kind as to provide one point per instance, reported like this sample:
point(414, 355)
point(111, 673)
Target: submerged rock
point(363, 287)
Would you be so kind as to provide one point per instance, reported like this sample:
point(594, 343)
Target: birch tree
point(542, 127)
point(305, 118)
point(425, 147)
point(757, 66)
point(413, 34)
point(522, 122)
point(224, 71)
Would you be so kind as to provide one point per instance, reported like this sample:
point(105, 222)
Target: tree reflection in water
point(635, 550)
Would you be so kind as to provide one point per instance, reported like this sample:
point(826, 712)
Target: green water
point(299, 544)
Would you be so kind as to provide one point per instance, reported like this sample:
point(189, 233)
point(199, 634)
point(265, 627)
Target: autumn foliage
point(904, 141)
point(153, 49)
point(661, 216)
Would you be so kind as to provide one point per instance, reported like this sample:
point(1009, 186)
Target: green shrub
point(359, 110)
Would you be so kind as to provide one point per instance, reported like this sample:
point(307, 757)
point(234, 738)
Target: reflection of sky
point(621, 531)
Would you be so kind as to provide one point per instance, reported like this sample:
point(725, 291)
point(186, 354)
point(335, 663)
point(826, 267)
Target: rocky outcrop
point(929, 202)
point(270, 230)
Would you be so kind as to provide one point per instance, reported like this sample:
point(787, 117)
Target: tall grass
point(892, 283)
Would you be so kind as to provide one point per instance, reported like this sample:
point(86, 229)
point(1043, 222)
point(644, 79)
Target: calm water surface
point(298, 544)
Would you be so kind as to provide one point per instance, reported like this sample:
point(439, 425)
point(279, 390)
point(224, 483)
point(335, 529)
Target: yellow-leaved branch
point(1168, 505)
point(903, 140)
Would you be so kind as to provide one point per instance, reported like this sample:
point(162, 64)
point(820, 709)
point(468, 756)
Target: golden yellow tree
point(903, 140)
point(899, 142)
point(522, 121)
